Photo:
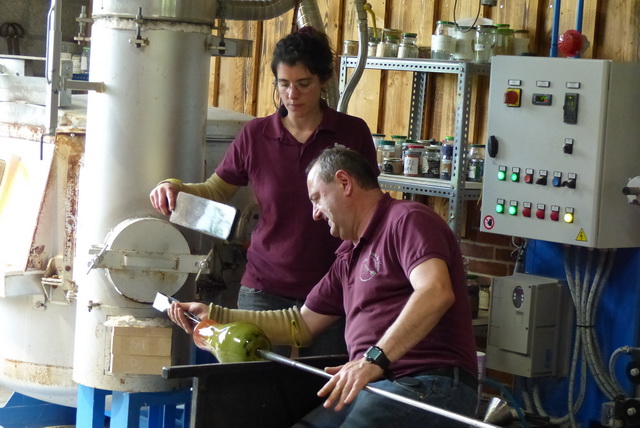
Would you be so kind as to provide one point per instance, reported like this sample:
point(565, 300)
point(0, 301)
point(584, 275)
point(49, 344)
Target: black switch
point(570, 108)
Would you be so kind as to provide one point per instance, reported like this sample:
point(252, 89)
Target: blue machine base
point(26, 412)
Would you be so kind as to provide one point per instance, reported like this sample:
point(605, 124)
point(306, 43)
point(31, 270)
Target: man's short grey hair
point(339, 157)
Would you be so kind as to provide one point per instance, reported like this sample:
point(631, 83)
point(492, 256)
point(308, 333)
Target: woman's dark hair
point(339, 157)
point(308, 47)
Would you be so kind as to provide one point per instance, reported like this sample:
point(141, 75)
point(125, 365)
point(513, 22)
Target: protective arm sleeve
point(284, 327)
point(215, 188)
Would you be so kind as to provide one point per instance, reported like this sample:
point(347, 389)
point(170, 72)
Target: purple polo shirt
point(289, 251)
point(369, 282)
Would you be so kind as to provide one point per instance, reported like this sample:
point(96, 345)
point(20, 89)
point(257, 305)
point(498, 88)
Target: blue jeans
point(330, 342)
point(374, 411)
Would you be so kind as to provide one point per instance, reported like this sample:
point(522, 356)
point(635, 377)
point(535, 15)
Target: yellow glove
point(284, 327)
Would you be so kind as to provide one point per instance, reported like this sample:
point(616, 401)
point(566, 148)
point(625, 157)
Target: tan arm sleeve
point(284, 327)
point(215, 188)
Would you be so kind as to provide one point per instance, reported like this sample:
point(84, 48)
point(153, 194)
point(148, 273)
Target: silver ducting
point(363, 36)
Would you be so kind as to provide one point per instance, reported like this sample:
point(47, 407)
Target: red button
point(511, 97)
point(528, 178)
point(555, 215)
point(526, 212)
point(540, 214)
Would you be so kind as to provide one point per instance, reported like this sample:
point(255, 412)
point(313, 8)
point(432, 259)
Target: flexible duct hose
point(363, 36)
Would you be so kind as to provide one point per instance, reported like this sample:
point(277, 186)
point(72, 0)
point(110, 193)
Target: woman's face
point(299, 89)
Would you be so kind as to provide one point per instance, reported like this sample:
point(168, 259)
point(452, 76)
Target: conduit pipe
point(363, 36)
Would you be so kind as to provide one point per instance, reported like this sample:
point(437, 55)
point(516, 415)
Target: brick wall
point(487, 255)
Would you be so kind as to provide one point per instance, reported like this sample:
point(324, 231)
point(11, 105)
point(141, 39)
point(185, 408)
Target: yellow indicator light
point(502, 175)
point(568, 217)
point(499, 208)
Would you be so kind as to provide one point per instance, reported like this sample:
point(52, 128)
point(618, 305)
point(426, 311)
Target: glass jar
point(350, 47)
point(443, 42)
point(386, 149)
point(408, 47)
point(399, 140)
point(504, 41)
point(449, 139)
point(430, 164)
point(372, 46)
point(411, 162)
point(475, 163)
point(465, 36)
point(484, 43)
point(377, 138)
point(446, 161)
point(389, 45)
point(392, 166)
point(520, 42)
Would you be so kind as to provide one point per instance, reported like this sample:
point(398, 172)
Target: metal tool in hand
point(12, 31)
point(268, 355)
point(163, 303)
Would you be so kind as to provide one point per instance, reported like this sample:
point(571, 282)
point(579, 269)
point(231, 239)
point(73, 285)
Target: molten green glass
point(231, 343)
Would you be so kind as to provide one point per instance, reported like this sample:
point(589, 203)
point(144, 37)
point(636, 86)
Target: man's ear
point(344, 180)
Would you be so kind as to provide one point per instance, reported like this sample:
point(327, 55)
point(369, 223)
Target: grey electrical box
point(529, 326)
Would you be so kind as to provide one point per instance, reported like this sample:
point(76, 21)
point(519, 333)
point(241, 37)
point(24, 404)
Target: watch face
point(373, 354)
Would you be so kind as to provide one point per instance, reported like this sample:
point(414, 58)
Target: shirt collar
point(372, 227)
point(273, 127)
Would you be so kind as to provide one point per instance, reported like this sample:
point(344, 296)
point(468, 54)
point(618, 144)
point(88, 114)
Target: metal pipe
point(554, 28)
point(418, 404)
point(363, 36)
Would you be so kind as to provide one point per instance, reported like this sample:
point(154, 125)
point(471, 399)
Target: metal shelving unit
point(457, 189)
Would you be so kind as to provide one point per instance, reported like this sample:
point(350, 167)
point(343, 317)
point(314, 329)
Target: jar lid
point(415, 146)
point(444, 22)
point(377, 135)
point(449, 137)
point(480, 146)
point(387, 142)
point(489, 26)
point(434, 148)
point(521, 31)
point(505, 31)
point(399, 137)
point(502, 25)
point(409, 34)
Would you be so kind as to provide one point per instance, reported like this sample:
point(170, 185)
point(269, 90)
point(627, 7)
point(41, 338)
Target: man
point(399, 281)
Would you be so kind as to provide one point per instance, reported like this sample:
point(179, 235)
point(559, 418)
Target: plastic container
point(475, 164)
point(484, 43)
point(443, 42)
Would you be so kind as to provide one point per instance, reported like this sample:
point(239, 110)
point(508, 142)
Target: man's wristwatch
point(375, 355)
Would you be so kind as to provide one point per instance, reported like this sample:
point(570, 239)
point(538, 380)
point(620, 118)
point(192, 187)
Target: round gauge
point(518, 297)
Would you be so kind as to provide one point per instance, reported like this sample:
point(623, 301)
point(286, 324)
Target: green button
point(499, 208)
point(515, 177)
point(502, 175)
point(513, 210)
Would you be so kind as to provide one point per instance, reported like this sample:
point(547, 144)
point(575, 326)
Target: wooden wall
point(382, 97)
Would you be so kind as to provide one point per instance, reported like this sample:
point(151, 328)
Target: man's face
point(329, 204)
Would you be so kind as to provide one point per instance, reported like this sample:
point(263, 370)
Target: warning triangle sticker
point(581, 236)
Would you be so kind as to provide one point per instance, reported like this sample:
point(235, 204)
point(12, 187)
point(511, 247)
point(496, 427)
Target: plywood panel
point(618, 30)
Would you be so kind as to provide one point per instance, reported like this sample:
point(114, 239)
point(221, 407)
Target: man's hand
point(163, 198)
point(176, 313)
point(347, 381)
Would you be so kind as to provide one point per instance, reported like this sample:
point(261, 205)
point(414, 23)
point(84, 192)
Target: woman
point(289, 251)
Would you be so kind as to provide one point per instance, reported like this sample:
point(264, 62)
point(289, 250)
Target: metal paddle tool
point(163, 303)
point(268, 355)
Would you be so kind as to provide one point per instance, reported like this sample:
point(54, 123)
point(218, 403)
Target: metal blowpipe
point(268, 355)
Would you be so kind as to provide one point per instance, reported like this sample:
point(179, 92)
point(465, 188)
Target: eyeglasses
point(303, 86)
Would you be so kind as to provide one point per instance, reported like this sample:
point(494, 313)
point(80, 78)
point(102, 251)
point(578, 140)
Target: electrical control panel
point(529, 326)
point(563, 147)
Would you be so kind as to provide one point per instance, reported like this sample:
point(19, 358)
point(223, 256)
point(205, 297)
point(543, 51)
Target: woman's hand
point(163, 198)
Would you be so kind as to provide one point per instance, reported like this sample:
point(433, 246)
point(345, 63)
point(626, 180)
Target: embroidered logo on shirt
point(370, 267)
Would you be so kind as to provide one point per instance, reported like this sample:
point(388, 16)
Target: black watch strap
point(375, 355)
